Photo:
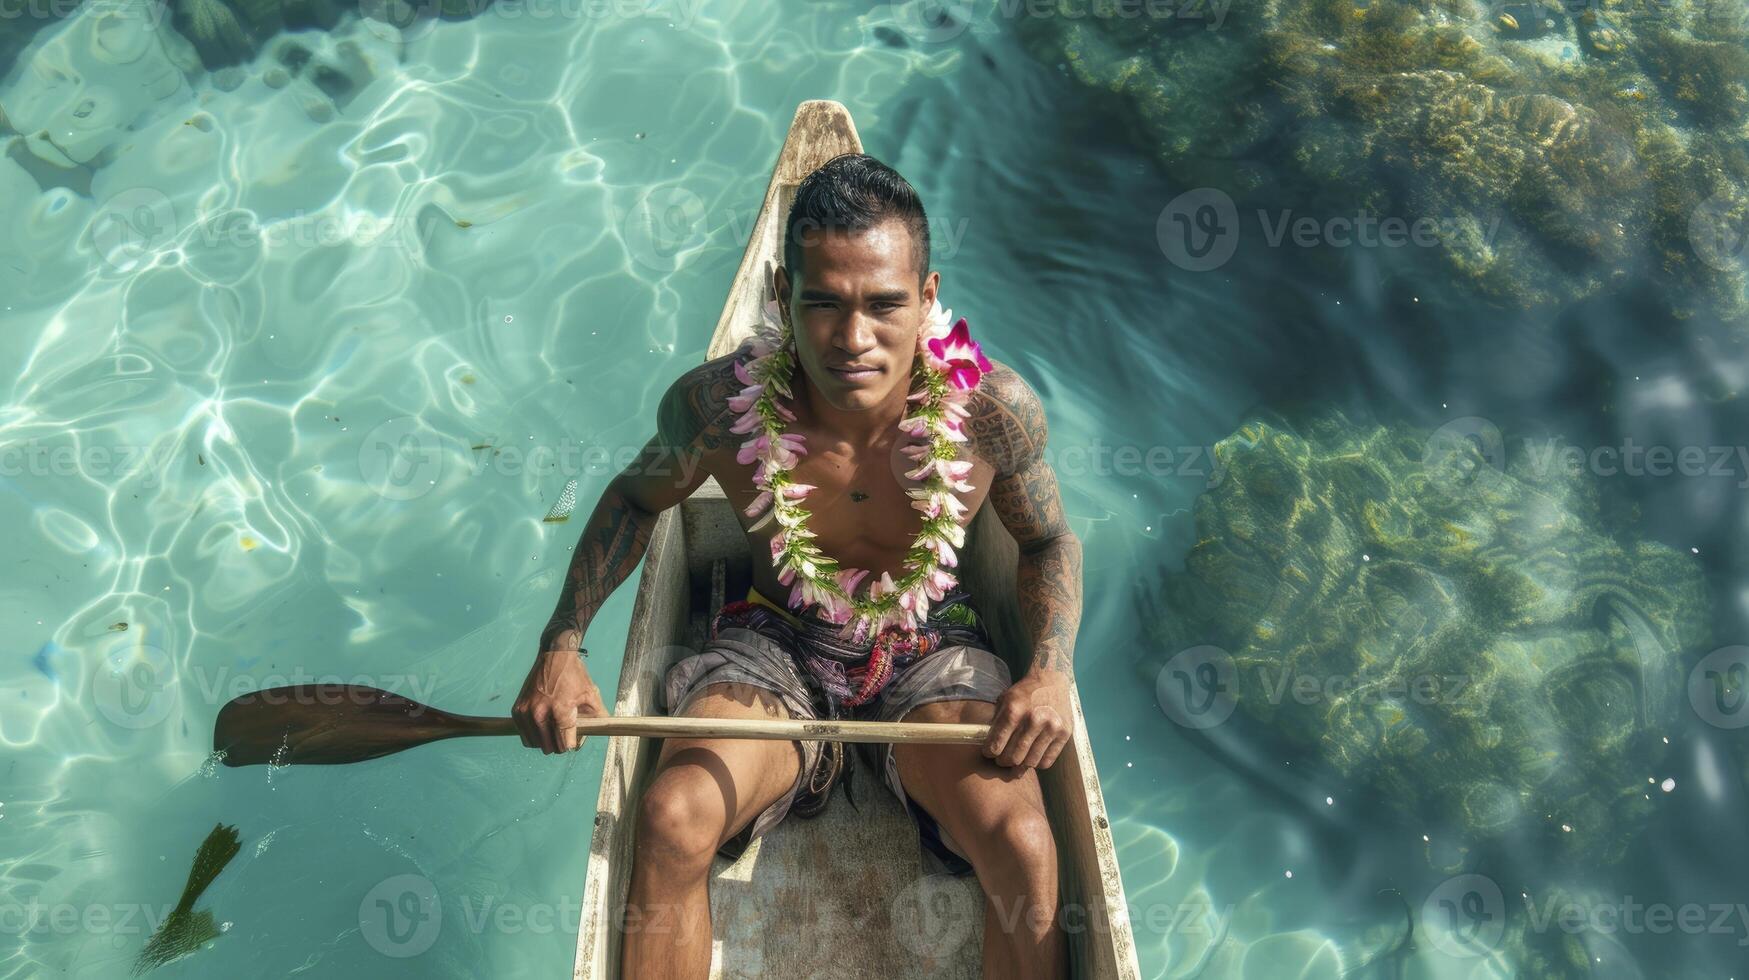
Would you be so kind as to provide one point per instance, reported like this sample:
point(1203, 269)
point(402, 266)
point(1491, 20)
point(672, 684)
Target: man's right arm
point(692, 421)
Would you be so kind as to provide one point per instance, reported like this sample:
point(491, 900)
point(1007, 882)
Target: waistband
point(758, 598)
point(852, 674)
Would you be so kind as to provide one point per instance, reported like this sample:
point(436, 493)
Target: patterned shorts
point(744, 656)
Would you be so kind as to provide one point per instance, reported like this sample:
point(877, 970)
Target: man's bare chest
point(860, 511)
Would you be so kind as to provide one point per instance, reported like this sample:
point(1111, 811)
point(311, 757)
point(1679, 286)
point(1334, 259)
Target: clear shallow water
point(247, 425)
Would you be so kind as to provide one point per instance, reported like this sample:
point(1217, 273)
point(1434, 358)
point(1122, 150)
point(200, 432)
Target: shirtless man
point(856, 291)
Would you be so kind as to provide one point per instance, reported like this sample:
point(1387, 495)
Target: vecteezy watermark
point(138, 685)
point(132, 225)
point(134, 685)
point(242, 229)
point(36, 918)
point(1200, 229)
point(665, 224)
point(401, 459)
point(1198, 687)
point(1630, 459)
point(942, 21)
point(152, 12)
point(87, 460)
point(401, 916)
point(1718, 687)
point(1465, 917)
point(410, 20)
point(932, 916)
point(1464, 449)
point(1098, 459)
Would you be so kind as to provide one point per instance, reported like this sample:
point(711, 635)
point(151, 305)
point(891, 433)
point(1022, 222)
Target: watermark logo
point(131, 225)
point(1718, 687)
point(662, 227)
point(1719, 230)
point(1465, 916)
point(932, 916)
point(1198, 230)
point(1196, 687)
point(929, 21)
point(134, 686)
point(1463, 450)
point(401, 917)
point(398, 20)
point(401, 459)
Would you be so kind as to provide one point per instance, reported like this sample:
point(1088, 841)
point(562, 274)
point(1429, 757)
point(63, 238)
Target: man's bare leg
point(997, 816)
point(704, 792)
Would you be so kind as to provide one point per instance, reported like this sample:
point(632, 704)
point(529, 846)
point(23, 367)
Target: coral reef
point(1479, 652)
point(1565, 150)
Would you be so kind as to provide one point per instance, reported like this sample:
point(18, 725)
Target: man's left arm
point(1007, 427)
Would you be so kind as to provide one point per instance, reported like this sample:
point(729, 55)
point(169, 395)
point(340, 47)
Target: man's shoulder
point(695, 408)
point(1007, 419)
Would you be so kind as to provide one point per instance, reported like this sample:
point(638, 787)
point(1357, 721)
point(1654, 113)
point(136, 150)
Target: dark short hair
point(854, 191)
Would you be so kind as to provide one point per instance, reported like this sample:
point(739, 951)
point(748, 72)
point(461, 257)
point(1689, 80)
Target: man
point(855, 292)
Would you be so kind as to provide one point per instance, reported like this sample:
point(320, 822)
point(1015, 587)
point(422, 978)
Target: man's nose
point(858, 335)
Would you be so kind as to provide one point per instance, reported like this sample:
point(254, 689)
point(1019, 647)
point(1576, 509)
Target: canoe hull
point(843, 895)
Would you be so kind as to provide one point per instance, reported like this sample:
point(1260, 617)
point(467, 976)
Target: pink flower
point(742, 375)
point(912, 600)
point(944, 552)
point(937, 584)
point(747, 423)
point(849, 578)
point(796, 491)
point(950, 470)
point(759, 504)
point(743, 402)
point(964, 360)
point(777, 543)
point(753, 449)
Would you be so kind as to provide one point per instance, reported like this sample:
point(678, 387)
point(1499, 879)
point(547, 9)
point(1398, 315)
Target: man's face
point(858, 305)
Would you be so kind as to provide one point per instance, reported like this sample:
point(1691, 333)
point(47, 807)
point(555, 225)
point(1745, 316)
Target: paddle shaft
point(785, 729)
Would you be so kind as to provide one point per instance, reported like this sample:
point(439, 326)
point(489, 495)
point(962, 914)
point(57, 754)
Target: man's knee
point(1023, 835)
point(679, 822)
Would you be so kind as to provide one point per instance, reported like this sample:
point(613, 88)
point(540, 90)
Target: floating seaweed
point(185, 930)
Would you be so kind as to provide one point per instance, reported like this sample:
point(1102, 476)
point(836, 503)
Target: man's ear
point(781, 286)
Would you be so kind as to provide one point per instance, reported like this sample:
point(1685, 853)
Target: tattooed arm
point(1007, 427)
point(691, 421)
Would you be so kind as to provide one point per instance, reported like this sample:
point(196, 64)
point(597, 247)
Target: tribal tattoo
point(1007, 428)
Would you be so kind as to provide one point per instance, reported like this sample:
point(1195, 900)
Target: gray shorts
point(745, 656)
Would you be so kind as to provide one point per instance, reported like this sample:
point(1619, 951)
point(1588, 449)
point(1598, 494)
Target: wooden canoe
point(843, 895)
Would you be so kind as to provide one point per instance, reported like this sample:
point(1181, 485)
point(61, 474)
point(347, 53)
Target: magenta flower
point(964, 359)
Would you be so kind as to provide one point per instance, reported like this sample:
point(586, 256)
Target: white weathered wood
point(843, 896)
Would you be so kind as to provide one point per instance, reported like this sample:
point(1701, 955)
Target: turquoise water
point(299, 414)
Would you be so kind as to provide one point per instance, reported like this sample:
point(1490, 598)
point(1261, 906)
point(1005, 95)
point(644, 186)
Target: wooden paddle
point(332, 724)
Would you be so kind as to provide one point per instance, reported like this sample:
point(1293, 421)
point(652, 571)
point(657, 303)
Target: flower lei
point(946, 370)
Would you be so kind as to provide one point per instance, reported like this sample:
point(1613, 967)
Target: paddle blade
point(329, 724)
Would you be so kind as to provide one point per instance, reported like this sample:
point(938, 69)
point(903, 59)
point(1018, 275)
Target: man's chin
point(856, 398)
